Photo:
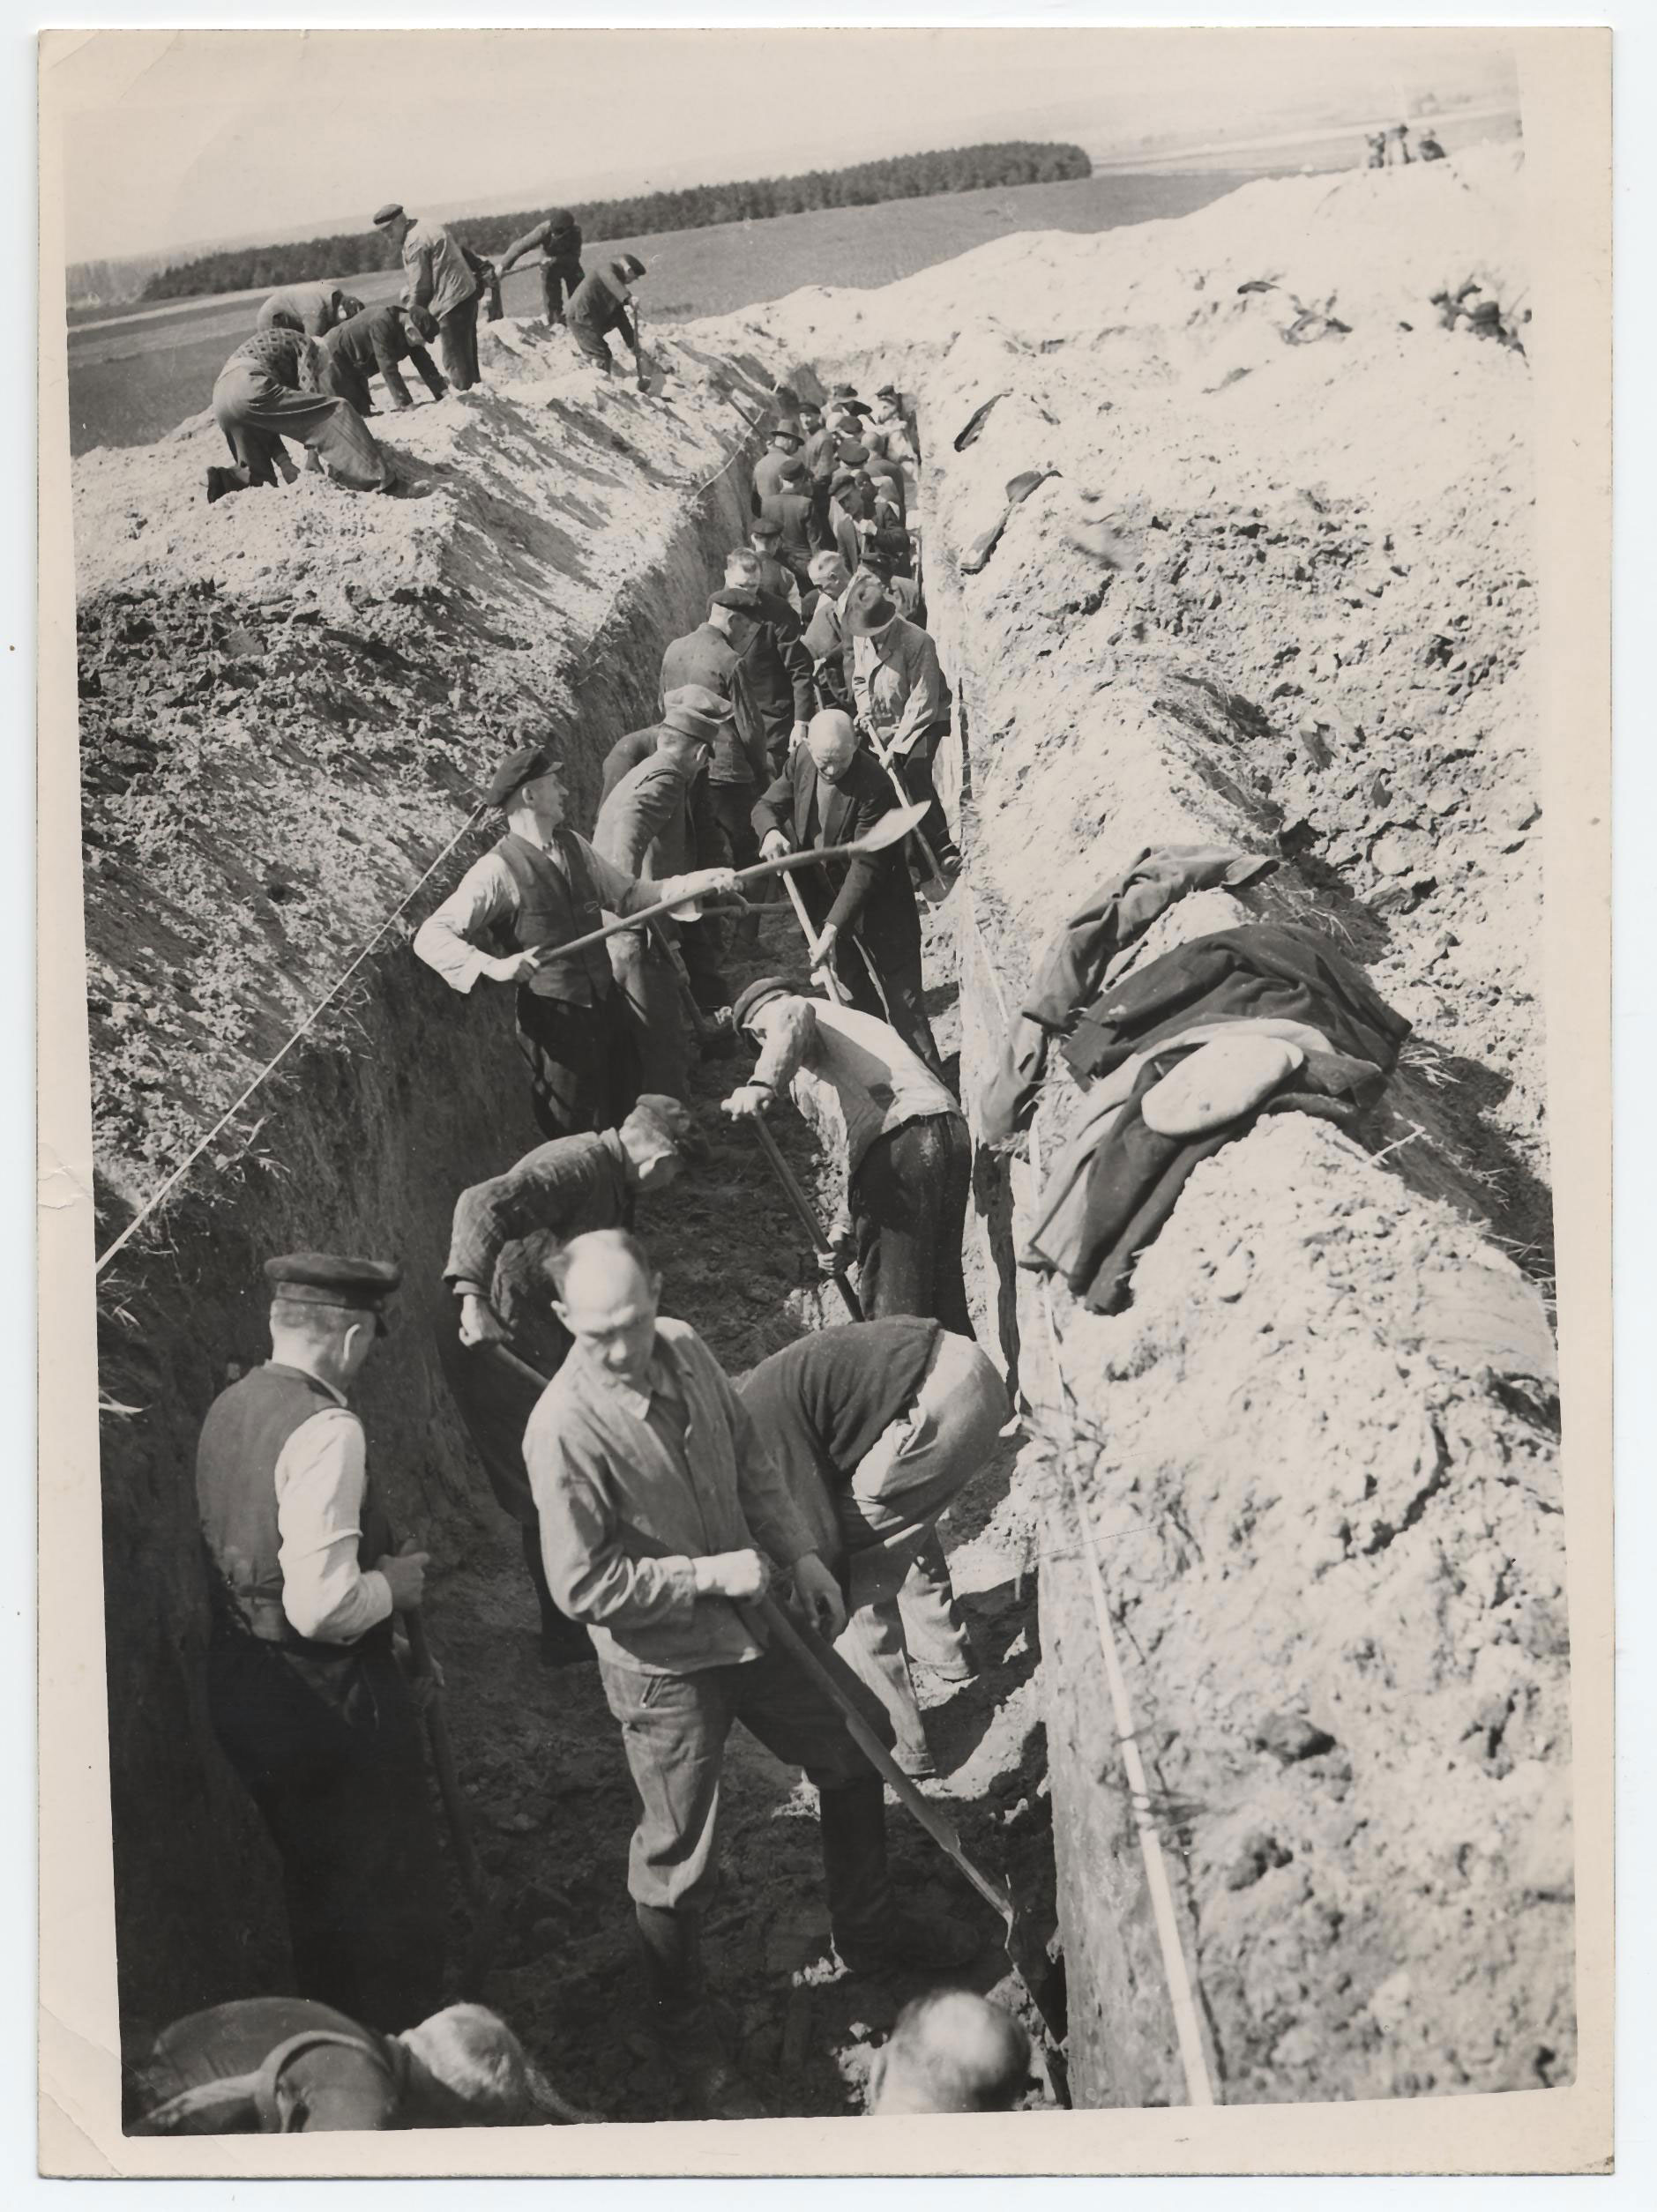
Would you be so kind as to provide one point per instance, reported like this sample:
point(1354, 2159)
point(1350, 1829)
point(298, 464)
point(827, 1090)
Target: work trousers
point(558, 278)
point(582, 1059)
point(350, 1813)
point(256, 414)
point(908, 1203)
point(674, 1728)
point(595, 348)
point(458, 332)
point(893, 990)
point(885, 1545)
point(698, 942)
point(734, 811)
point(649, 991)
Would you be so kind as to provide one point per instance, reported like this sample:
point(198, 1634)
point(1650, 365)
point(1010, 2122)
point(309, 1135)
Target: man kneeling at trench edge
point(655, 1494)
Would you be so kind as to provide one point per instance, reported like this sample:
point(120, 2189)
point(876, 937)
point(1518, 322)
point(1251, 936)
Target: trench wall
point(407, 1091)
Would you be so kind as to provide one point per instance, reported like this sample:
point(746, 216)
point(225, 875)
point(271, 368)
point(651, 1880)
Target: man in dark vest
point(304, 1686)
point(559, 240)
point(541, 887)
point(374, 343)
point(501, 1340)
point(286, 2065)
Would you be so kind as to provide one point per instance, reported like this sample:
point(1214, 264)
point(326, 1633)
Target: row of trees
point(904, 176)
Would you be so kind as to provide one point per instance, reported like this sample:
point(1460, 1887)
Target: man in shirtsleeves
point(558, 239)
point(541, 887)
point(304, 1688)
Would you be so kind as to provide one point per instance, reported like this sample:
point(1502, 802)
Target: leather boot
point(682, 2021)
point(873, 1935)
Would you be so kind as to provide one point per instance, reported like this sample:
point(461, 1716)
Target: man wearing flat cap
point(541, 887)
point(791, 515)
point(775, 576)
point(705, 659)
point(785, 441)
point(499, 1337)
point(304, 1686)
point(776, 668)
point(558, 240)
point(644, 828)
point(442, 277)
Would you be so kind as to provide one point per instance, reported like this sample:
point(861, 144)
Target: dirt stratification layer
point(1278, 593)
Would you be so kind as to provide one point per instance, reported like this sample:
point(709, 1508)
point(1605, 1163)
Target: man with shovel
point(645, 829)
point(879, 1425)
point(499, 1340)
point(540, 888)
point(829, 793)
point(902, 701)
point(662, 1513)
point(304, 1687)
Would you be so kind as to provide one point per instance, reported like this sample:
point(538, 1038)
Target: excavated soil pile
point(1273, 588)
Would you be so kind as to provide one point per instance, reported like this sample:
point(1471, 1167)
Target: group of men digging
point(304, 374)
point(666, 1507)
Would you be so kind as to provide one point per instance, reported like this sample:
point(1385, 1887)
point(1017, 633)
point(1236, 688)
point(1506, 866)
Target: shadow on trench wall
point(366, 1146)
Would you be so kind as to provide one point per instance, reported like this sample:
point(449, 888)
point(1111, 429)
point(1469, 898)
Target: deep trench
point(416, 1093)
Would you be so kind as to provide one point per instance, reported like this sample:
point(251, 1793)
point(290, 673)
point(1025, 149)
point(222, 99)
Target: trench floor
point(541, 1760)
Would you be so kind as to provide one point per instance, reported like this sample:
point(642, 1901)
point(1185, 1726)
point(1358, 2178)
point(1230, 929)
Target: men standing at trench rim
point(499, 1341)
point(304, 1688)
point(659, 1503)
point(539, 887)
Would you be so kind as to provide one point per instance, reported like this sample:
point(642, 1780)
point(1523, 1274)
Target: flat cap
point(854, 456)
point(765, 527)
point(331, 1278)
point(700, 700)
point(794, 472)
point(673, 1123)
point(389, 213)
point(756, 994)
point(691, 722)
point(518, 769)
point(742, 596)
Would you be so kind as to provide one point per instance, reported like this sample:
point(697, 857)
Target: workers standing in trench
point(776, 668)
point(878, 1426)
point(659, 1503)
point(499, 1340)
point(304, 1686)
point(902, 701)
point(539, 887)
point(831, 793)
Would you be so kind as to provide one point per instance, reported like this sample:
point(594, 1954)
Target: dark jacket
point(706, 655)
point(795, 515)
point(872, 894)
point(373, 343)
point(597, 307)
point(776, 667)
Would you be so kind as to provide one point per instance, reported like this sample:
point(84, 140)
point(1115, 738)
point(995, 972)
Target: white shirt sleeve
point(321, 1476)
point(447, 938)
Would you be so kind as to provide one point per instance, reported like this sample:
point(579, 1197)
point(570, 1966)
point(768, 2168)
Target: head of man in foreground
point(950, 2051)
point(606, 1295)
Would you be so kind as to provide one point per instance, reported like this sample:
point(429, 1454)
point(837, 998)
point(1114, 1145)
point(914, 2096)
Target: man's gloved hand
point(819, 1595)
point(747, 1103)
point(731, 1574)
point(774, 846)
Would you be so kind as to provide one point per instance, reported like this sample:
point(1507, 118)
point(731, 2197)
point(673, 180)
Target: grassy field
point(134, 374)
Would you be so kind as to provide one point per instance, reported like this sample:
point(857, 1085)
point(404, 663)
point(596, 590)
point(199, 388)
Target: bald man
point(659, 1505)
point(831, 792)
point(950, 2051)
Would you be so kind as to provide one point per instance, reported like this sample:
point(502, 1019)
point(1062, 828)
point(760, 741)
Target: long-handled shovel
point(486, 1911)
point(836, 988)
point(939, 881)
point(712, 1041)
point(891, 828)
point(824, 1665)
point(806, 1211)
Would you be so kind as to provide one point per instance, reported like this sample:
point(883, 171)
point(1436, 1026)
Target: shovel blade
point(891, 828)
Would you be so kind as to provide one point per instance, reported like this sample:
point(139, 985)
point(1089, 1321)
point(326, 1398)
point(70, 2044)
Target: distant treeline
point(905, 176)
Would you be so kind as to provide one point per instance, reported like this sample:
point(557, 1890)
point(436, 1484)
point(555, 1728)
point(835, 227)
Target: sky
point(172, 140)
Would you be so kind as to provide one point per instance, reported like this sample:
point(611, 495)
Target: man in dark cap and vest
point(376, 342)
point(499, 1325)
point(644, 828)
point(304, 1686)
point(443, 276)
point(833, 792)
point(558, 239)
point(599, 305)
point(286, 2065)
point(541, 887)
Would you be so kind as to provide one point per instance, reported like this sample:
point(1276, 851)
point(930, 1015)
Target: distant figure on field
point(271, 389)
point(286, 2065)
point(599, 305)
point(374, 343)
point(1377, 151)
point(1427, 146)
point(558, 239)
point(315, 309)
point(445, 277)
point(1398, 154)
point(950, 2051)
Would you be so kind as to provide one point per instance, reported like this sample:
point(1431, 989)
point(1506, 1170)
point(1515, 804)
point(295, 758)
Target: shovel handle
point(837, 989)
point(904, 799)
point(807, 1212)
